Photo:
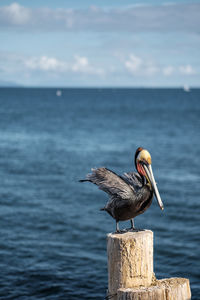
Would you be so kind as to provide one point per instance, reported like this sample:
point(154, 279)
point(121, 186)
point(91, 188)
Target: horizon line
point(99, 87)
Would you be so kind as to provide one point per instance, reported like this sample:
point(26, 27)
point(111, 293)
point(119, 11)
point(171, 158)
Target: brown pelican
point(130, 194)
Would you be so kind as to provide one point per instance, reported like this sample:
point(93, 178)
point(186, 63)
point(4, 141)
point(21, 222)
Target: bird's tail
point(103, 208)
point(84, 180)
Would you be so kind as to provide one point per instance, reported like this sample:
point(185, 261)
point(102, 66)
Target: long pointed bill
point(149, 172)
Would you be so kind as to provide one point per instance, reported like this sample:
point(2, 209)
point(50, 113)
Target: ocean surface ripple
point(53, 236)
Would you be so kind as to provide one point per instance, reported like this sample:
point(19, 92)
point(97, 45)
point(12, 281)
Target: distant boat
point(58, 93)
point(186, 88)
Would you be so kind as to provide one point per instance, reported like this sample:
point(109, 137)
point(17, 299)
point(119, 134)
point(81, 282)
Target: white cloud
point(45, 63)
point(139, 66)
point(15, 14)
point(82, 65)
point(159, 18)
point(82, 68)
point(167, 71)
point(187, 70)
point(79, 64)
point(134, 63)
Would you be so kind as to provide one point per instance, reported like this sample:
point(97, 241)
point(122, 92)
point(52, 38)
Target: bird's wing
point(134, 179)
point(111, 183)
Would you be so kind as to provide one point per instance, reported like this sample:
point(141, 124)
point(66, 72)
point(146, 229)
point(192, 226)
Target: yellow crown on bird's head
point(145, 156)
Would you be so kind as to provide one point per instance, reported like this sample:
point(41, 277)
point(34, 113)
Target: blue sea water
point(52, 234)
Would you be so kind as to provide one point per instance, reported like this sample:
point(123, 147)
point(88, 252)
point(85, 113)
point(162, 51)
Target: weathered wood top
point(130, 234)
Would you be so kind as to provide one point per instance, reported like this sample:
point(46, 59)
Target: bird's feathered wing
point(111, 183)
point(134, 179)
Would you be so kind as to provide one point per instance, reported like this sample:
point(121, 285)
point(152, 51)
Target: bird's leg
point(132, 224)
point(117, 227)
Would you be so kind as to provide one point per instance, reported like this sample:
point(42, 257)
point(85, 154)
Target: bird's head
point(143, 166)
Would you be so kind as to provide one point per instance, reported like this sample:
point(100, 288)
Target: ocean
point(52, 233)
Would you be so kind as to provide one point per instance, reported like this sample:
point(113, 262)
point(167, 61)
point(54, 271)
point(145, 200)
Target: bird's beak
point(149, 173)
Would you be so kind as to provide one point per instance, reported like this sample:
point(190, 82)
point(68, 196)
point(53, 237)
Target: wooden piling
point(130, 270)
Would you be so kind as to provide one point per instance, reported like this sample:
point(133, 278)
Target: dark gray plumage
point(126, 193)
point(133, 179)
point(130, 194)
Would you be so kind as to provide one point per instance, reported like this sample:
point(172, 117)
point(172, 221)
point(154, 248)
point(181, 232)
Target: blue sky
point(100, 43)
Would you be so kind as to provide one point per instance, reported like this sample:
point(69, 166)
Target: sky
point(112, 43)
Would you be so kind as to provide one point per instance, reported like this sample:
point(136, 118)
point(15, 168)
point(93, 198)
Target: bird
point(132, 193)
